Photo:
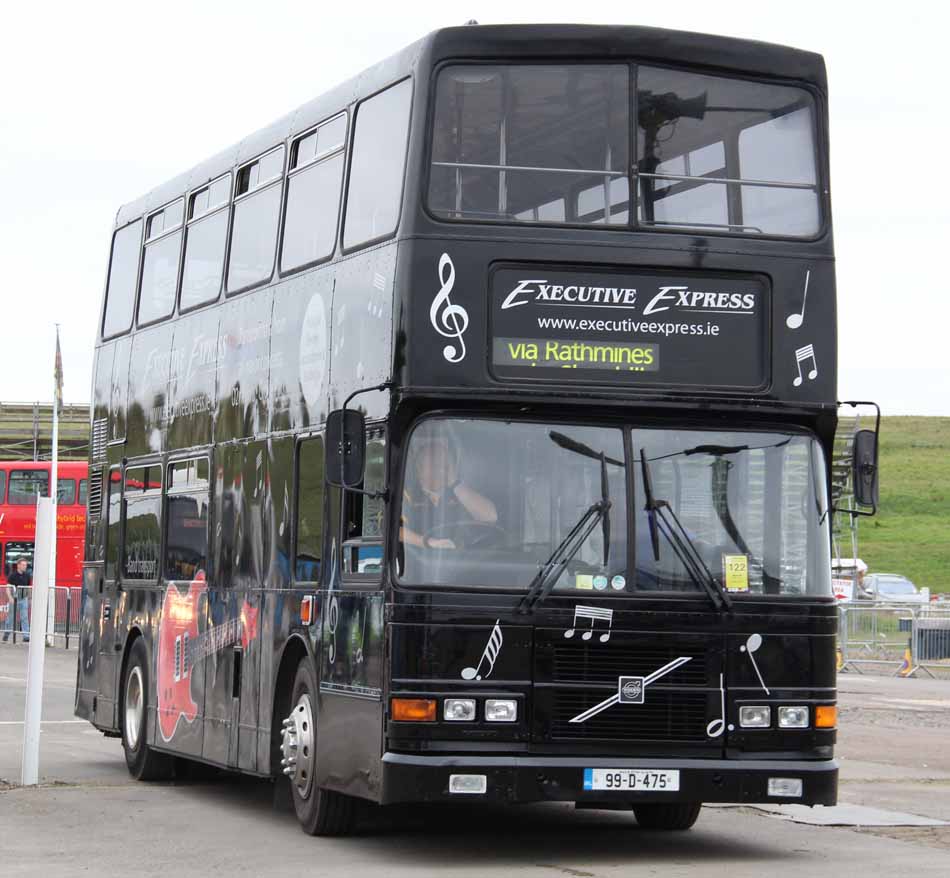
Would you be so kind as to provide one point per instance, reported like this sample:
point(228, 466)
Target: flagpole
point(54, 493)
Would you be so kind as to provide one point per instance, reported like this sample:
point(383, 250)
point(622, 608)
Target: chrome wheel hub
point(297, 748)
point(134, 706)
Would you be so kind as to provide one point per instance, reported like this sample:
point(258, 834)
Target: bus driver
point(436, 500)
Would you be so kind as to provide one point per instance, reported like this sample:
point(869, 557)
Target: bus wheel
point(674, 816)
point(144, 763)
point(320, 812)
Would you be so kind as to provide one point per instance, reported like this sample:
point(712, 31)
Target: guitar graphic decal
point(181, 647)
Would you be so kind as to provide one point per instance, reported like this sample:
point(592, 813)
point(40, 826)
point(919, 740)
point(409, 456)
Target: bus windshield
point(485, 502)
point(551, 144)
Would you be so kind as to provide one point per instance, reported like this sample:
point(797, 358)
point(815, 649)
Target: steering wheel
point(470, 534)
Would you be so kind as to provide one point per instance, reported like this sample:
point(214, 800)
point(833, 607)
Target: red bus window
point(3, 486)
point(14, 552)
point(83, 488)
point(26, 485)
point(65, 492)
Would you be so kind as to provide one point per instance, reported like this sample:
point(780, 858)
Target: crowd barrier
point(906, 637)
point(15, 619)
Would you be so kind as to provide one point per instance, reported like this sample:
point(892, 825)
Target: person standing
point(21, 580)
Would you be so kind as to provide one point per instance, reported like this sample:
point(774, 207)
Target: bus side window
point(159, 285)
point(65, 492)
point(83, 491)
point(313, 195)
point(377, 166)
point(123, 275)
point(26, 485)
point(186, 540)
point(309, 510)
point(256, 215)
point(114, 523)
point(3, 486)
point(364, 522)
point(142, 516)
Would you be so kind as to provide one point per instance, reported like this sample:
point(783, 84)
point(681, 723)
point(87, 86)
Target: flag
point(58, 374)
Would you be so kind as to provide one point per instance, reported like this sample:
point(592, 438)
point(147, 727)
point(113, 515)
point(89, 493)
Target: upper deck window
point(205, 240)
point(728, 154)
point(523, 143)
point(551, 144)
point(26, 485)
point(256, 214)
point(313, 195)
point(123, 275)
point(377, 166)
point(160, 267)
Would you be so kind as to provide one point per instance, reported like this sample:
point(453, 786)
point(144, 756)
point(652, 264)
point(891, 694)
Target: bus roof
point(526, 41)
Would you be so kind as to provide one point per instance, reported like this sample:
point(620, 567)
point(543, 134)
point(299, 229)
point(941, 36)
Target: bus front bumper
point(415, 778)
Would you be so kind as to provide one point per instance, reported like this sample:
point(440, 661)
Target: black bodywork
point(183, 387)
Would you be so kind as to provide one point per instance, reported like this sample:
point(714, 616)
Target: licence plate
point(631, 779)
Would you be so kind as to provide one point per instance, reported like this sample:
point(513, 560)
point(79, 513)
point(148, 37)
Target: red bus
point(21, 482)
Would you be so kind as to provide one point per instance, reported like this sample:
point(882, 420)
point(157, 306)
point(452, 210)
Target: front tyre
point(143, 762)
point(667, 817)
point(320, 811)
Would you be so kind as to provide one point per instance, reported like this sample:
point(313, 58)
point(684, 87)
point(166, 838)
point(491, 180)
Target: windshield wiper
point(663, 520)
point(550, 571)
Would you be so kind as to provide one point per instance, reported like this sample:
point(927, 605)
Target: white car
point(893, 587)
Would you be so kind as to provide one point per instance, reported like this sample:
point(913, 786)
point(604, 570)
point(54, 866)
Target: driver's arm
point(478, 506)
point(406, 534)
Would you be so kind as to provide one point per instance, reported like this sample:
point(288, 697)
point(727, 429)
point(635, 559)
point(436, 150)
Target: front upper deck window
point(522, 144)
point(551, 144)
point(725, 154)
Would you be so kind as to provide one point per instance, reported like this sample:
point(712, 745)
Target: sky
point(102, 101)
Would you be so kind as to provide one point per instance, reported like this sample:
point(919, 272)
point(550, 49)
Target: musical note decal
point(794, 321)
point(749, 647)
point(592, 614)
point(801, 355)
point(449, 320)
point(626, 697)
point(718, 725)
point(495, 642)
point(333, 619)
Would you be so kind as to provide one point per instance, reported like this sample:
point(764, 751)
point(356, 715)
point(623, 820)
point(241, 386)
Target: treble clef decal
point(449, 320)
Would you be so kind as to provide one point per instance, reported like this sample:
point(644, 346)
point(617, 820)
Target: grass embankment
point(911, 532)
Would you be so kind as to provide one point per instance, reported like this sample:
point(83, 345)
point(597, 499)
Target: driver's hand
point(440, 543)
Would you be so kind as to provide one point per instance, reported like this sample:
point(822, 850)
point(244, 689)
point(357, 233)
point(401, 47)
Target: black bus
point(466, 435)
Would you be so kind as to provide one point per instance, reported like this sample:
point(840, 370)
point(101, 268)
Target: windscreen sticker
point(600, 583)
point(735, 569)
point(618, 583)
point(584, 581)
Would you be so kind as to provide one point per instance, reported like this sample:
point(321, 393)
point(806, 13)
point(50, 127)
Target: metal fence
point(15, 613)
point(905, 637)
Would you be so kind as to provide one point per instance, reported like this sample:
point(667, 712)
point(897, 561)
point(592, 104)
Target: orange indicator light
point(826, 716)
point(414, 710)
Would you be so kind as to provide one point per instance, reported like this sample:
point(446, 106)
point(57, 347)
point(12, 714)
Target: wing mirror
point(864, 472)
point(346, 448)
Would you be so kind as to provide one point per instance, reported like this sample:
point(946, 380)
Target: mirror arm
point(868, 467)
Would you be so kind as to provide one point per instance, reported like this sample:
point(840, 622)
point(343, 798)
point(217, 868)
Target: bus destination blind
point(637, 328)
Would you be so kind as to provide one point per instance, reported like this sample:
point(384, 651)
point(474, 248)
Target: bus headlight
point(501, 710)
point(755, 717)
point(458, 710)
point(793, 717)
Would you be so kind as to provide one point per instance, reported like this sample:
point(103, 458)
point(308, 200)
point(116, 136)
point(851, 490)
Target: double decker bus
point(21, 482)
point(465, 435)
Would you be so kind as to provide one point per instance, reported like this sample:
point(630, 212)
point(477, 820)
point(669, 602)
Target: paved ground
point(89, 818)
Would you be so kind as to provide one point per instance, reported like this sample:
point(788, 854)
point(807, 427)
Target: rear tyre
point(143, 762)
point(319, 811)
point(668, 817)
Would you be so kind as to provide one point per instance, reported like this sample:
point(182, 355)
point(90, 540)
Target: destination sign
point(649, 328)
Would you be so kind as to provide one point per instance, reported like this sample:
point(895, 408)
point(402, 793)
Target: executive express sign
point(637, 328)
